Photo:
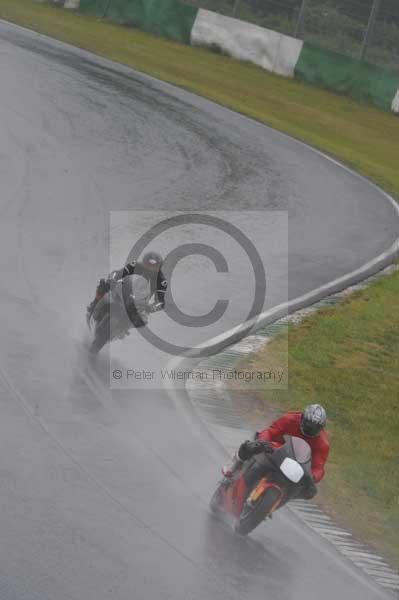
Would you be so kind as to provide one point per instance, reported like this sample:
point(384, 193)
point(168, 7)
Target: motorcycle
point(265, 482)
point(127, 304)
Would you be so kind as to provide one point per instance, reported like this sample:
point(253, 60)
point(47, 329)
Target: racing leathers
point(290, 424)
point(156, 279)
point(273, 436)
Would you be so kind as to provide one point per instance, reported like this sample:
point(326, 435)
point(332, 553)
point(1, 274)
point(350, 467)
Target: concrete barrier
point(270, 50)
point(395, 103)
point(72, 4)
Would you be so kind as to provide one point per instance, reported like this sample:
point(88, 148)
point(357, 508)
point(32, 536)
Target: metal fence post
point(235, 7)
point(370, 28)
point(301, 19)
point(106, 8)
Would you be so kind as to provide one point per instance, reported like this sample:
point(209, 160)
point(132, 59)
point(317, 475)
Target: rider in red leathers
point(291, 424)
point(308, 425)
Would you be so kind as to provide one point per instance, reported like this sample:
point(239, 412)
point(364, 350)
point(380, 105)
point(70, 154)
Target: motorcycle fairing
point(261, 489)
point(234, 496)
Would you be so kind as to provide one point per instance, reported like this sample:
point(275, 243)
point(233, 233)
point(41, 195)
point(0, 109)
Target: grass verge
point(346, 357)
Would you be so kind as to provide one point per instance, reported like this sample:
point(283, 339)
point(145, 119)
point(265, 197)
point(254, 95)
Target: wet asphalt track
point(104, 495)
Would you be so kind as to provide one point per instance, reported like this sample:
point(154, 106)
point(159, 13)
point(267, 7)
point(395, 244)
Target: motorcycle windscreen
point(301, 451)
point(138, 290)
point(295, 448)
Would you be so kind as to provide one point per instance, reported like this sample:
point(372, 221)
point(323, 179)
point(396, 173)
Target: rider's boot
point(90, 309)
point(230, 471)
point(101, 290)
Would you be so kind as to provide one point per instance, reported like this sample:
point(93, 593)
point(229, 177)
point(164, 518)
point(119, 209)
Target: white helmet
point(313, 420)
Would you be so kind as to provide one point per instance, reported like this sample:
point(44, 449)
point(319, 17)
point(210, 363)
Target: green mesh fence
point(168, 18)
point(346, 75)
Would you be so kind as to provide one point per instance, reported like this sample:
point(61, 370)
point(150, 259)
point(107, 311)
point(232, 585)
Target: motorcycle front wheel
point(102, 334)
point(251, 516)
point(215, 501)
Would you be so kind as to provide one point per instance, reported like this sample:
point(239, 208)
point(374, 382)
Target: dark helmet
point(152, 261)
point(313, 420)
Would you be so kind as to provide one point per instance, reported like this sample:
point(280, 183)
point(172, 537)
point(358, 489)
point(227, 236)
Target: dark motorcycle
point(127, 305)
point(265, 482)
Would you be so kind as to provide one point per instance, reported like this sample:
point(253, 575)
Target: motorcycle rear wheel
point(102, 334)
point(215, 501)
point(251, 516)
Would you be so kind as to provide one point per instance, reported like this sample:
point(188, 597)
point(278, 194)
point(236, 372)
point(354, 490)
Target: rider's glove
point(102, 286)
point(244, 451)
point(250, 448)
point(157, 307)
point(113, 279)
point(267, 447)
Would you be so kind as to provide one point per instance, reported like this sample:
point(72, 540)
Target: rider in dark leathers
point(150, 268)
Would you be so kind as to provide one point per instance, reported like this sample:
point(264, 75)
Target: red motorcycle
point(265, 482)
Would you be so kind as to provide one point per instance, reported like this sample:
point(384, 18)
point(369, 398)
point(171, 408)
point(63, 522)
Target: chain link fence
point(365, 29)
